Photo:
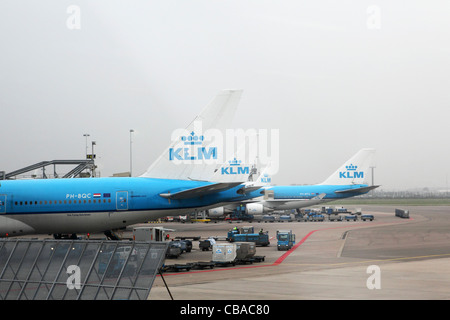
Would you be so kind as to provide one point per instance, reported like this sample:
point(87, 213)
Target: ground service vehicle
point(248, 235)
point(365, 217)
point(286, 239)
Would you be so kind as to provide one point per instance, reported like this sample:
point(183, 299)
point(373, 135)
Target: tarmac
point(390, 258)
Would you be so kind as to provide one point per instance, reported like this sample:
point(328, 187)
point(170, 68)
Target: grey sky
point(321, 72)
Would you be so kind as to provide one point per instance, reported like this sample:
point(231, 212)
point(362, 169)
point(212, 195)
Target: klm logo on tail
point(235, 168)
point(266, 179)
point(351, 173)
point(194, 149)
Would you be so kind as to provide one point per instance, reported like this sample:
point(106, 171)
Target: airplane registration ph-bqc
point(71, 206)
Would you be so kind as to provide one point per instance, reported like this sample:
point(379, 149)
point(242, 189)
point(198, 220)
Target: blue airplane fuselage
point(100, 204)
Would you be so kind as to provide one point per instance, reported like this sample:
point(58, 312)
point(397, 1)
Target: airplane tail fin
point(354, 171)
point(196, 150)
point(238, 166)
point(264, 179)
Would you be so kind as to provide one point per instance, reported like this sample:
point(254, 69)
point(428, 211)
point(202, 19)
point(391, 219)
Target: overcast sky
point(332, 76)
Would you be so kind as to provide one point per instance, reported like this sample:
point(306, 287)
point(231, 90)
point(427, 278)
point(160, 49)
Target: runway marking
point(285, 255)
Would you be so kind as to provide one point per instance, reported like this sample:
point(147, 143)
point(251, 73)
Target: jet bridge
point(78, 269)
point(81, 165)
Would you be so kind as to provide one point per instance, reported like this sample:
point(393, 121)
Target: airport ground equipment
point(286, 218)
point(245, 252)
point(205, 245)
point(174, 250)
point(299, 216)
point(341, 210)
point(402, 213)
point(335, 217)
point(260, 239)
point(224, 254)
point(268, 218)
point(365, 217)
point(240, 213)
point(149, 234)
point(327, 210)
point(351, 218)
point(203, 264)
point(188, 244)
point(285, 239)
point(316, 217)
point(176, 267)
point(181, 244)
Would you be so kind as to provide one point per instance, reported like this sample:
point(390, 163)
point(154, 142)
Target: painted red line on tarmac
point(278, 261)
point(284, 256)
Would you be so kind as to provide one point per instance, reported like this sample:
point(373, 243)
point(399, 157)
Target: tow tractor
point(286, 239)
point(247, 234)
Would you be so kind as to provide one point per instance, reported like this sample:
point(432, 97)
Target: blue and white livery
point(350, 180)
point(71, 206)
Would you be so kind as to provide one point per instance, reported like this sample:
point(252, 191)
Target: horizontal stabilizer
point(358, 190)
point(247, 189)
point(200, 191)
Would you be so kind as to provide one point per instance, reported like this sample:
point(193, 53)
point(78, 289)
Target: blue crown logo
point(192, 139)
point(351, 167)
point(234, 162)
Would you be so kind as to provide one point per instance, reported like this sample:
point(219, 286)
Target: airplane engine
point(216, 212)
point(255, 208)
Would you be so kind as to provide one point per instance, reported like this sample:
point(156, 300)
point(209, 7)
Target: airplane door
point(122, 200)
point(2, 203)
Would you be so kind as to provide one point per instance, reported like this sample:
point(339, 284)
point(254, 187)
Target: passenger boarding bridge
point(81, 165)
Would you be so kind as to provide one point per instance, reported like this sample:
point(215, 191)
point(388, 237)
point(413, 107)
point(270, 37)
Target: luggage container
point(205, 245)
point(286, 218)
point(402, 213)
point(224, 253)
point(245, 250)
